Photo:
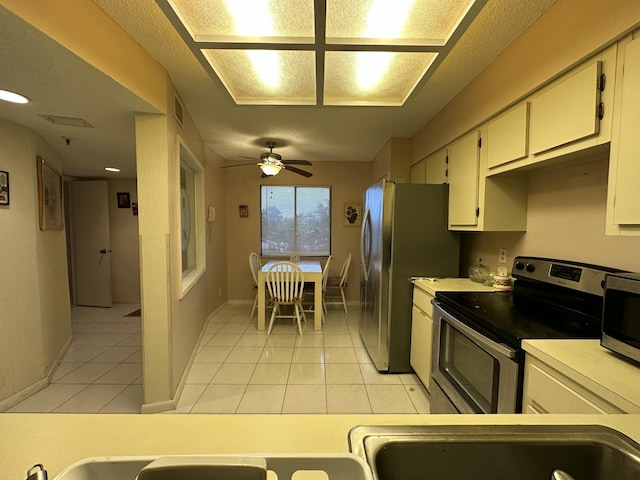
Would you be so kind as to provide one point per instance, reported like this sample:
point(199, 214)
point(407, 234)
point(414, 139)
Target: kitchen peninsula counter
point(59, 440)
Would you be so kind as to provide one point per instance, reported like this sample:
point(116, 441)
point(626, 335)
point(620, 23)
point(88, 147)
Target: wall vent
point(67, 121)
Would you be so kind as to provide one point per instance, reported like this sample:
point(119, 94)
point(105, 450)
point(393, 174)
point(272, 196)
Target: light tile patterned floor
point(236, 369)
point(102, 370)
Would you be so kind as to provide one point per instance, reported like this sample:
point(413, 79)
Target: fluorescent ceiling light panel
point(251, 79)
point(427, 22)
point(373, 52)
point(245, 20)
point(342, 82)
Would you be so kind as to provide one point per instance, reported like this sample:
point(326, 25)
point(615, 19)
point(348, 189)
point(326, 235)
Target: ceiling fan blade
point(304, 173)
point(237, 165)
point(297, 162)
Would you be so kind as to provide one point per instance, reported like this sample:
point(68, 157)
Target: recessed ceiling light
point(111, 169)
point(12, 97)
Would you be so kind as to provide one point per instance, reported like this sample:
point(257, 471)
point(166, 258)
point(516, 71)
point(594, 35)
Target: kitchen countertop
point(434, 285)
point(58, 440)
point(585, 361)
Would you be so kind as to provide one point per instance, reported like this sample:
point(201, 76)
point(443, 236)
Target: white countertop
point(59, 440)
point(433, 285)
point(585, 361)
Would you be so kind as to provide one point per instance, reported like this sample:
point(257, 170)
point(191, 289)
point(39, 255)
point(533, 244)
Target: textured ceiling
point(68, 86)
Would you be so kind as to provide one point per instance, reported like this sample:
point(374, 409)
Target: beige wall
point(34, 294)
point(348, 181)
point(125, 255)
point(392, 161)
point(565, 220)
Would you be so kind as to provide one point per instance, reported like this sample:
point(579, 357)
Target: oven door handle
point(485, 342)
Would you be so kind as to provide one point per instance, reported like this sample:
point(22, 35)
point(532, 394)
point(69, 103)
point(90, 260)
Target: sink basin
point(483, 452)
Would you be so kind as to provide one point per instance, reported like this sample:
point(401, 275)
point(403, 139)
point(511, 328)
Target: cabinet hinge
point(600, 112)
point(480, 142)
point(602, 82)
point(446, 159)
point(478, 212)
point(446, 173)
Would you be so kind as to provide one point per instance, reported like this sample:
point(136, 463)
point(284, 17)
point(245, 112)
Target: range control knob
point(530, 267)
point(519, 265)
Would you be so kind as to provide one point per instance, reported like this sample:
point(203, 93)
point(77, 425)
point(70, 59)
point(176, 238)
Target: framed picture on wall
point(4, 187)
point(49, 196)
point(124, 201)
point(352, 214)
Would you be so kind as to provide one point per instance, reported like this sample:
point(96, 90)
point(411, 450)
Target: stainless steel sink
point(523, 452)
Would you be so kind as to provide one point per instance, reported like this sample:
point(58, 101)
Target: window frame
point(299, 252)
point(188, 277)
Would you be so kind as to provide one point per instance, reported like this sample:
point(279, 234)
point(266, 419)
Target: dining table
point(311, 271)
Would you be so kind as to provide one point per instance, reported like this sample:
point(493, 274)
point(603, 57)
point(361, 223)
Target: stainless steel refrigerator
point(404, 234)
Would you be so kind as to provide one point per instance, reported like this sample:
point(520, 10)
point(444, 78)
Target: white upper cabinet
point(464, 168)
point(478, 202)
point(567, 111)
point(432, 169)
point(623, 202)
point(569, 119)
point(437, 167)
point(508, 136)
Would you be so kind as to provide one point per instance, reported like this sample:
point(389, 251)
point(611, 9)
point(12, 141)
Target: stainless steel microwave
point(621, 314)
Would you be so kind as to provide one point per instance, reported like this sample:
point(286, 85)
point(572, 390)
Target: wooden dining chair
point(254, 265)
point(339, 284)
point(285, 283)
point(310, 289)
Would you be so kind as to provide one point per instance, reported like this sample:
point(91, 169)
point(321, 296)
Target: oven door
point(476, 374)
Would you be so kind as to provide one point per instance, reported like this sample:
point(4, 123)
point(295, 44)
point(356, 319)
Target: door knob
point(104, 250)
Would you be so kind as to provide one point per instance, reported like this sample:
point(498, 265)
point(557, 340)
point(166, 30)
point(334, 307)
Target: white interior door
point(92, 248)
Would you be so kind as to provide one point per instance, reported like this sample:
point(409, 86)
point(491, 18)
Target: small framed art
point(4, 187)
point(49, 196)
point(352, 214)
point(124, 201)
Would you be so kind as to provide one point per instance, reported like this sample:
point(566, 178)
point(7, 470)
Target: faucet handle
point(37, 472)
point(561, 475)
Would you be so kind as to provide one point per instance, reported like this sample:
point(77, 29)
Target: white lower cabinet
point(421, 335)
point(548, 391)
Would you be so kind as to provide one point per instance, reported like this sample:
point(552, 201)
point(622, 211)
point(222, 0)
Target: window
point(295, 219)
point(190, 205)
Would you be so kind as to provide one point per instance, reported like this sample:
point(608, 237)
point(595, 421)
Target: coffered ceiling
point(60, 84)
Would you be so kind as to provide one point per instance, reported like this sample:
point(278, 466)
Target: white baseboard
point(40, 384)
point(158, 407)
point(16, 398)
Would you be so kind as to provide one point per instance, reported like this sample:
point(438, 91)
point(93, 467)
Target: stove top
point(551, 299)
point(509, 318)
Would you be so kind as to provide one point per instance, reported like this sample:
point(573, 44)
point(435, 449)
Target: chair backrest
point(255, 265)
point(325, 273)
point(285, 282)
point(344, 273)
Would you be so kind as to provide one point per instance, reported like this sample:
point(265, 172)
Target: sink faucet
point(561, 475)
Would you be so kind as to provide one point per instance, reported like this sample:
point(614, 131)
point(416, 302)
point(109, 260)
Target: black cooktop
point(510, 318)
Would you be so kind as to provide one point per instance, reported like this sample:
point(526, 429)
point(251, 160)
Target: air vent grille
point(67, 121)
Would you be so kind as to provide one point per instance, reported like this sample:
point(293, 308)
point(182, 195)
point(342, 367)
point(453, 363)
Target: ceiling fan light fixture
point(270, 168)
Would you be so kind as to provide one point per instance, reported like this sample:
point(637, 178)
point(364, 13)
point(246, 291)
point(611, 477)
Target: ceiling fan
point(271, 163)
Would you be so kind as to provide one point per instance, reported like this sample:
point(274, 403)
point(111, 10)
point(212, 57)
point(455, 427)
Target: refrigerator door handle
point(365, 235)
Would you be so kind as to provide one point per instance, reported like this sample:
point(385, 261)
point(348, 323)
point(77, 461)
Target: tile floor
point(236, 369)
